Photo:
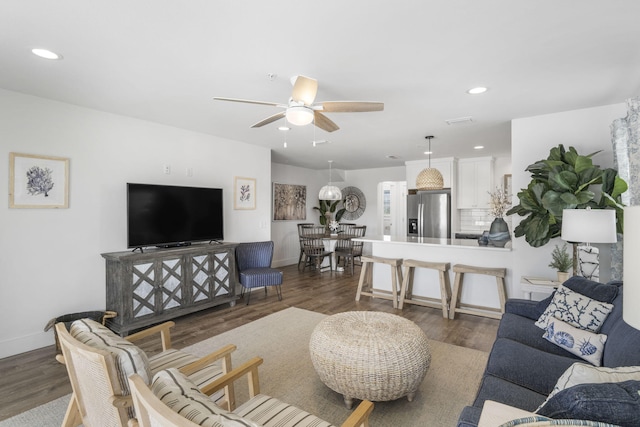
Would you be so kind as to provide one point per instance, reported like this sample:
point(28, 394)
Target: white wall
point(50, 260)
point(285, 233)
point(367, 181)
point(588, 130)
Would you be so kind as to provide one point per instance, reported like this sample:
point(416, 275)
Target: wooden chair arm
point(224, 352)
point(360, 416)
point(121, 401)
point(249, 368)
point(163, 329)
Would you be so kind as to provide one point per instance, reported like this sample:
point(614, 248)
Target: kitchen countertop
point(429, 241)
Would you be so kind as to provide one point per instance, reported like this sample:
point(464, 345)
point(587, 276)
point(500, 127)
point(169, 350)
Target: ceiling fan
point(302, 110)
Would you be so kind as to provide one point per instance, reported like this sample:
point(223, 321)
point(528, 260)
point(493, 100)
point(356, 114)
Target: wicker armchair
point(254, 268)
point(98, 370)
point(178, 398)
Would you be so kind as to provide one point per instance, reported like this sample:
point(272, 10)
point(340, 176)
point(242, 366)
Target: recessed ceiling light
point(477, 90)
point(284, 128)
point(428, 152)
point(46, 54)
point(478, 147)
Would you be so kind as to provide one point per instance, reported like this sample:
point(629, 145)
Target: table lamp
point(631, 269)
point(588, 226)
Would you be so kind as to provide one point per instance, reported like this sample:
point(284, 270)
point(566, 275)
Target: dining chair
point(301, 226)
point(314, 248)
point(352, 249)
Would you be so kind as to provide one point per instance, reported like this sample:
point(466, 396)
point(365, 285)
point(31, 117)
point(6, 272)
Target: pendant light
point(429, 178)
point(330, 192)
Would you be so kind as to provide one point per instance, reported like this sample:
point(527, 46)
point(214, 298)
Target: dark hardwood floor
point(34, 378)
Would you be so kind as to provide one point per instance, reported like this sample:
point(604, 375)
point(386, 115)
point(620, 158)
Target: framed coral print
point(244, 193)
point(289, 202)
point(38, 181)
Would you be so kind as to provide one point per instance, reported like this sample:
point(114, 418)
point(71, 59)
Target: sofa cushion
point(503, 391)
point(129, 358)
point(180, 394)
point(603, 292)
point(526, 366)
point(576, 309)
point(523, 330)
point(583, 373)
point(615, 403)
point(584, 344)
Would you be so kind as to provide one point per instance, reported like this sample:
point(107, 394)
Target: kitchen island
point(477, 290)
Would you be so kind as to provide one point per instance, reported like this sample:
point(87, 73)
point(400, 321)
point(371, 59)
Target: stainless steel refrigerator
point(429, 214)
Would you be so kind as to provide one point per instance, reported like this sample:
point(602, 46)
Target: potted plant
point(564, 180)
point(561, 262)
point(326, 209)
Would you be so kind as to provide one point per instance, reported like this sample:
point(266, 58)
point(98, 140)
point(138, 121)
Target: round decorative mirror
point(354, 203)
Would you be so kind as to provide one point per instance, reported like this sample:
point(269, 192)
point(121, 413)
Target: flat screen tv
point(165, 216)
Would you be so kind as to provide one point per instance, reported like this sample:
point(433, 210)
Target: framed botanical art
point(507, 184)
point(38, 181)
point(289, 202)
point(244, 193)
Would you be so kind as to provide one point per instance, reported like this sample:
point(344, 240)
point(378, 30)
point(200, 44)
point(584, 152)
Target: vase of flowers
point(499, 203)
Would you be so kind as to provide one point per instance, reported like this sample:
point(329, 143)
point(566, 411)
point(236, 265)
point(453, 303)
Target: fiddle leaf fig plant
point(325, 206)
point(564, 180)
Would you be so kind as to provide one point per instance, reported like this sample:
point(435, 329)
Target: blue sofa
point(523, 367)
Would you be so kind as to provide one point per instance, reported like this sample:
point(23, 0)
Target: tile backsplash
point(478, 220)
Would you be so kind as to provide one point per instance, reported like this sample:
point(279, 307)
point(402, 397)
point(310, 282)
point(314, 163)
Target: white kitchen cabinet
point(475, 181)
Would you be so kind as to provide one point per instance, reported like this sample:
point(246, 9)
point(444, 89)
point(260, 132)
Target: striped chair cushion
point(180, 394)
point(129, 358)
point(271, 412)
point(173, 358)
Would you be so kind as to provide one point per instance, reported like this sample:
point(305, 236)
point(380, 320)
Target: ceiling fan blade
point(351, 106)
point(270, 119)
point(324, 122)
point(305, 90)
point(249, 101)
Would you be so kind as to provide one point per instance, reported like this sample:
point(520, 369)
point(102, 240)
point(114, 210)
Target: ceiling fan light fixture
point(299, 115)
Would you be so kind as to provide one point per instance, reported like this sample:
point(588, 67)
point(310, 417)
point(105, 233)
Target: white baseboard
point(18, 345)
point(284, 262)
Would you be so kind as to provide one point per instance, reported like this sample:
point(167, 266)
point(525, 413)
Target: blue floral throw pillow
point(575, 309)
point(584, 344)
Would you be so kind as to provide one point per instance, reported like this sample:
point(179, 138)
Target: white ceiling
point(164, 61)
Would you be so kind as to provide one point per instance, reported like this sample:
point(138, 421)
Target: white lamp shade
point(330, 192)
point(631, 262)
point(589, 225)
point(299, 116)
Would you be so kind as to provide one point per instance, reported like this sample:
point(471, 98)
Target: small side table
point(541, 285)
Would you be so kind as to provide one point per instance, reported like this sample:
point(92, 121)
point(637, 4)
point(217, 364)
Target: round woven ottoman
point(370, 355)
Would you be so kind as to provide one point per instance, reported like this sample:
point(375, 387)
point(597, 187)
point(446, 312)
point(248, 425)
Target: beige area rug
point(282, 340)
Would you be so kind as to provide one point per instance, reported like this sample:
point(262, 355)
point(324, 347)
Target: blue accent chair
point(253, 261)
